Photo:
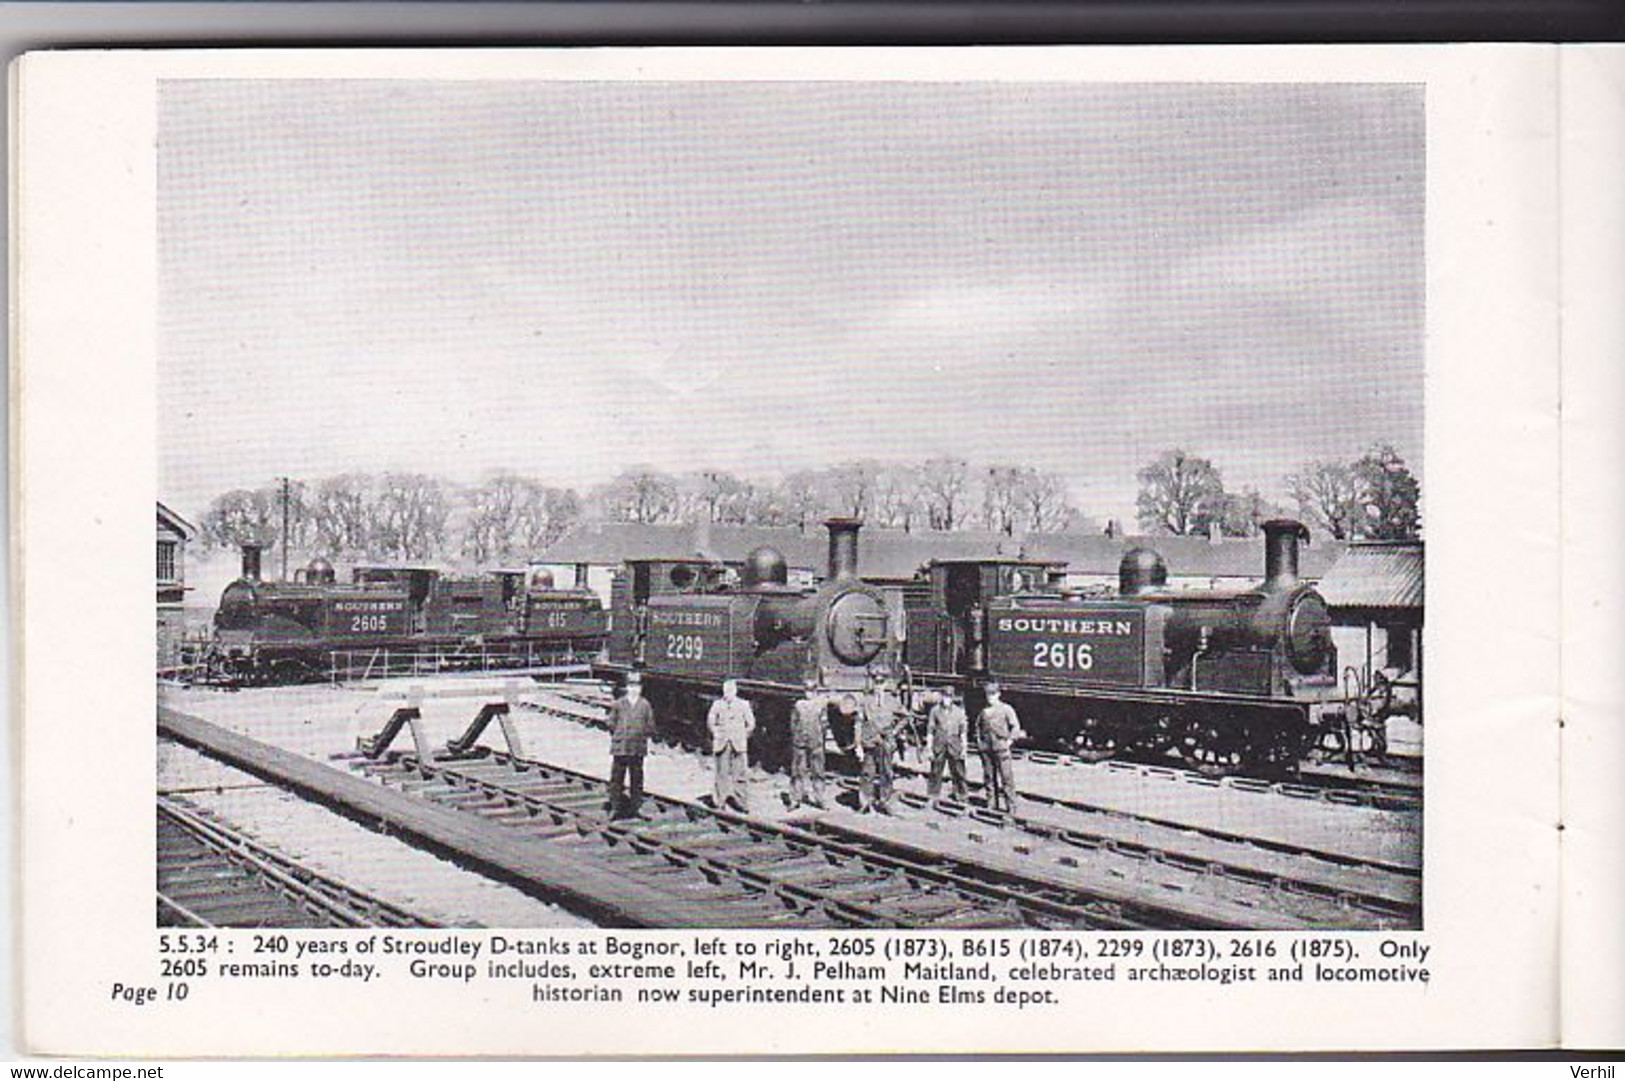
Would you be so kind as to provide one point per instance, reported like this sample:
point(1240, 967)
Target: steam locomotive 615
point(1230, 680)
point(266, 631)
point(687, 626)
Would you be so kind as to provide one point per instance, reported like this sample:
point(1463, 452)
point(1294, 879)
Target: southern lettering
point(1065, 625)
point(686, 619)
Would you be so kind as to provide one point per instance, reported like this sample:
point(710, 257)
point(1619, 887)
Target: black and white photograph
point(790, 504)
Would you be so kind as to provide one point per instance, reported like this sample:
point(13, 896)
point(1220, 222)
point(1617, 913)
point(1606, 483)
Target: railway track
point(1327, 786)
point(212, 875)
point(825, 873)
point(1379, 788)
point(1300, 877)
point(766, 875)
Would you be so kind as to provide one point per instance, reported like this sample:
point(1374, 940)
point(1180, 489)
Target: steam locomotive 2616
point(266, 631)
point(687, 627)
point(1231, 680)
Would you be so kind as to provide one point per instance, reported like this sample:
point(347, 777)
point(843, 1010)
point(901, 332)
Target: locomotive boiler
point(688, 627)
point(1231, 680)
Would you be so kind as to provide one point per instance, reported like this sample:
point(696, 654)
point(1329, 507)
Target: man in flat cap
point(809, 724)
point(631, 719)
point(947, 725)
point(999, 729)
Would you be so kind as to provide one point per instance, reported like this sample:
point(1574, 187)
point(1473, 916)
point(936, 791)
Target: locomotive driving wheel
point(1212, 748)
point(1096, 740)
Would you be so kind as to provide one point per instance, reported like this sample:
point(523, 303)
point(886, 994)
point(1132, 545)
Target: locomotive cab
point(947, 627)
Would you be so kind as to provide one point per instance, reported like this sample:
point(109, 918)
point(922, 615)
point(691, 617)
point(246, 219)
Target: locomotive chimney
point(251, 561)
point(1281, 537)
point(843, 547)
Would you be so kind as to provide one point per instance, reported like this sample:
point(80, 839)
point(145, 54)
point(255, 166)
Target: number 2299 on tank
point(693, 638)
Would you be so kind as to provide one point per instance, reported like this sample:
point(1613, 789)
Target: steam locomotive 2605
point(266, 631)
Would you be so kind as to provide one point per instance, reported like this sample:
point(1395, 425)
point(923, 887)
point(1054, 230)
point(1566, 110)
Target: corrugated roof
point(1387, 575)
point(892, 553)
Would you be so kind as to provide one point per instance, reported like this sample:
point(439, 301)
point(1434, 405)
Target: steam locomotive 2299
point(269, 631)
point(687, 627)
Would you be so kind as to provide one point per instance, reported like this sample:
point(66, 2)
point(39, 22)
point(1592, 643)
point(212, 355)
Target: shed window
point(166, 561)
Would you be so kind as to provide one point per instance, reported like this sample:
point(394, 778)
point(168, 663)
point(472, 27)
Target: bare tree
point(242, 516)
point(1243, 514)
point(559, 509)
point(408, 517)
point(851, 487)
point(1045, 501)
point(944, 484)
point(1002, 500)
point(800, 498)
point(897, 499)
point(1328, 497)
point(713, 495)
point(1179, 494)
point(495, 508)
point(640, 494)
point(339, 514)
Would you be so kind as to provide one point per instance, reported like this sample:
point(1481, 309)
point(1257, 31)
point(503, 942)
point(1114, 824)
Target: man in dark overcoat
point(631, 719)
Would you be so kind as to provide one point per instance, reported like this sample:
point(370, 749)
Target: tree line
point(1373, 497)
point(939, 493)
point(510, 517)
point(396, 516)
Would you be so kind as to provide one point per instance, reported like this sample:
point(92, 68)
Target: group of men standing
point(874, 719)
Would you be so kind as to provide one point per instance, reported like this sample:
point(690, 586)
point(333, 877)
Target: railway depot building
point(1375, 593)
point(590, 554)
point(173, 534)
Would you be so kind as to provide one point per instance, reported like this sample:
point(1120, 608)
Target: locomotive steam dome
point(541, 578)
point(1141, 570)
point(764, 566)
point(1308, 632)
point(320, 571)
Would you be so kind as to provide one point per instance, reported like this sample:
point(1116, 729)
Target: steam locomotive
point(1232, 681)
point(687, 625)
point(273, 631)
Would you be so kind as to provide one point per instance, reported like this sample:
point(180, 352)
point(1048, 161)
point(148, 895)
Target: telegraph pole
point(287, 490)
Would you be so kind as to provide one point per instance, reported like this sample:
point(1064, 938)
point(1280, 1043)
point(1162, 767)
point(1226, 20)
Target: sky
point(567, 278)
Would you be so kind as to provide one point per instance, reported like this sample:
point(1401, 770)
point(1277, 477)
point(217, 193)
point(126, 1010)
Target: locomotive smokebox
point(1141, 571)
point(1281, 537)
point(843, 547)
point(251, 561)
